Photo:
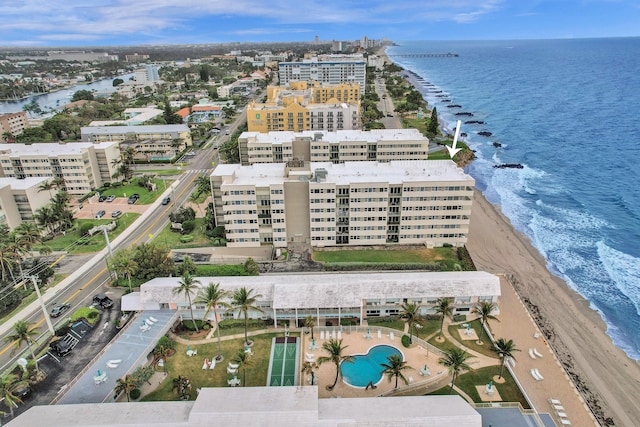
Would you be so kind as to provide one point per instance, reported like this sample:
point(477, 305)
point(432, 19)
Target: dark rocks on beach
point(435, 91)
point(464, 113)
point(445, 100)
point(474, 122)
point(441, 95)
point(485, 133)
point(497, 144)
point(463, 134)
point(509, 166)
point(454, 106)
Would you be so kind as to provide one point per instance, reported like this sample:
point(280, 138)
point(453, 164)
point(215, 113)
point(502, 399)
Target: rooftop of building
point(22, 184)
point(393, 172)
point(50, 149)
point(375, 135)
point(107, 130)
point(269, 406)
point(345, 290)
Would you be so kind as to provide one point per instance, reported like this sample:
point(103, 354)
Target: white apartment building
point(21, 198)
point(381, 145)
point(149, 73)
point(352, 203)
point(326, 297)
point(83, 166)
point(138, 133)
point(337, 71)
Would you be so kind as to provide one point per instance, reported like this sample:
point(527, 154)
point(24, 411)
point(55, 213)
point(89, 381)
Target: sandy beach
point(607, 379)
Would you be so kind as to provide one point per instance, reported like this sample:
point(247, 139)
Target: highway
point(95, 277)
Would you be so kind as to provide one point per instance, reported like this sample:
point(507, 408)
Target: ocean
point(567, 110)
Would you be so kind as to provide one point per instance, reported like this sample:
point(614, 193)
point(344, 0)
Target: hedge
point(405, 341)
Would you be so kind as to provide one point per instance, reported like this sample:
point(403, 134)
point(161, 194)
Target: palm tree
point(30, 233)
point(212, 296)
point(244, 301)
point(243, 360)
point(188, 285)
point(125, 385)
point(9, 384)
point(203, 184)
point(394, 367)
point(505, 349)
point(456, 360)
point(162, 352)
point(443, 307)
point(47, 186)
point(484, 310)
point(23, 332)
point(335, 349)
point(182, 385)
point(7, 262)
point(309, 322)
point(410, 314)
point(122, 263)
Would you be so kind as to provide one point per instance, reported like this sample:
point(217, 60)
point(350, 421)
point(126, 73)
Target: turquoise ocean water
point(568, 111)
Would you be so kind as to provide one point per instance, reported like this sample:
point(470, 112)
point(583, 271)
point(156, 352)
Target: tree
point(212, 296)
point(153, 261)
point(204, 73)
point(125, 385)
point(182, 385)
point(243, 360)
point(432, 128)
point(244, 301)
point(456, 360)
point(188, 285)
point(117, 82)
point(443, 307)
point(394, 367)
point(9, 384)
point(251, 267)
point(309, 322)
point(505, 349)
point(162, 352)
point(203, 185)
point(484, 310)
point(169, 116)
point(335, 349)
point(23, 332)
point(82, 95)
point(187, 266)
point(409, 313)
point(123, 263)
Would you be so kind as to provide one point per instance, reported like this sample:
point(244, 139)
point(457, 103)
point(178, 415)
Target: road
point(95, 278)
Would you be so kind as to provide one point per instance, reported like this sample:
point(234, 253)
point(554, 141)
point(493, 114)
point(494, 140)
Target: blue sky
point(127, 22)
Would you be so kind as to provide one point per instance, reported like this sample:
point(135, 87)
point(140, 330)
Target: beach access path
point(606, 377)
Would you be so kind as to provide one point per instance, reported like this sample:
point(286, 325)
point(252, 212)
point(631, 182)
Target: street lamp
point(34, 279)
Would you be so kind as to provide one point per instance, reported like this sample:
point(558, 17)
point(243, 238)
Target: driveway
point(89, 209)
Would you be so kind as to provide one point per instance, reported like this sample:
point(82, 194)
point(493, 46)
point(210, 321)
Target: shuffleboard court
point(283, 366)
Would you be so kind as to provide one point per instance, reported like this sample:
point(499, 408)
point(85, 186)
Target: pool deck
point(357, 343)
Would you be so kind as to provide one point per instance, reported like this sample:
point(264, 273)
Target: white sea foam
point(624, 270)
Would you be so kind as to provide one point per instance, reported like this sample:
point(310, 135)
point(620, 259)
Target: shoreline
point(605, 376)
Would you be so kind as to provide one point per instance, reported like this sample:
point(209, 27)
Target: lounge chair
point(321, 335)
point(233, 365)
point(539, 375)
point(232, 371)
point(205, 364)
point(309, 355)
point(535, 375)
point(410, 379)
point(536, 352)
point(379, 334)
point(153, 319)
point(562, 414)
point(565, 422)
point(114, 363)
point(555, 401)
point(149, 322)
point(392, 337)
point(531, 355)
point(213, 363)
point(558, 407)
point(145, 328)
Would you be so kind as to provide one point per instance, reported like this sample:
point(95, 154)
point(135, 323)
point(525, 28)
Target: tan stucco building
point(21, 198)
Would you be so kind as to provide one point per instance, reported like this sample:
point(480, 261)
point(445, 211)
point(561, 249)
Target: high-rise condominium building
point(354, 203)
point(334, 72)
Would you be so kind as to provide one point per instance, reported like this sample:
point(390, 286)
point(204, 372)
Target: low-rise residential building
point(13, 123)
point(179, 133)
point(21, 198)
point(328, 297)
point(424, 202)
point(80, 166)
point(381, 145)
point(200, 113)
point(132, 117)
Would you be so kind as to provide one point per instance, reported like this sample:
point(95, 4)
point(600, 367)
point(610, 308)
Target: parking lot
point(90, 209)
point(60, 373)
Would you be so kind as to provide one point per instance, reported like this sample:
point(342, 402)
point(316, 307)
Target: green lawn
point(440, 155)
point(403, 256)
point(485, 348)
point(429, 327)
point(146, 197)
point(387, 322)
point(444, 346)
point(191, 367)
point(509, 391)
point(173, 171)
point(172, 238)
point(69, 242)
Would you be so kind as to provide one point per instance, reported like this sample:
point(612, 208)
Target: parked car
point(59, 309)
point(116, 214)
point(100, 214)
point(61, 347)
point(133, 198)
point(103, 301)
point(166, 200)
point(102, 198)
point(110, 198)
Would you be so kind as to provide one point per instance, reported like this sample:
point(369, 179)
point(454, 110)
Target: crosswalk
point(198, 171)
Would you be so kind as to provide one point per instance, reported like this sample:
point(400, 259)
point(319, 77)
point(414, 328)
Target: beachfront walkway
point(517, 325)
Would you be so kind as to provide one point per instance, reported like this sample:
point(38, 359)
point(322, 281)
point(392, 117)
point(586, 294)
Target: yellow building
point(300, 107)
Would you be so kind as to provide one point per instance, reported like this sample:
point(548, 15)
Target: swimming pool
point(367, 367)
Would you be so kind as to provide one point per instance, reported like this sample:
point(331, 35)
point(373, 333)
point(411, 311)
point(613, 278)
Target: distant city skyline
point(118, 22)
